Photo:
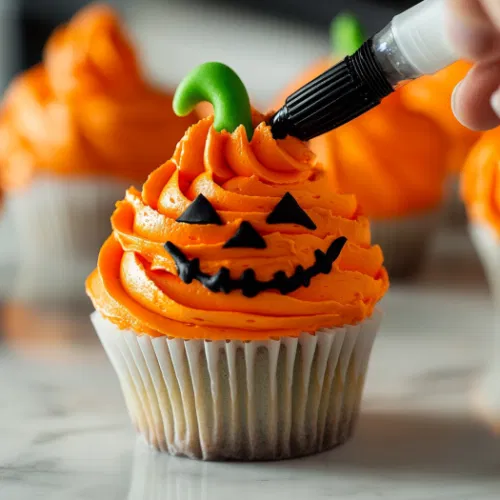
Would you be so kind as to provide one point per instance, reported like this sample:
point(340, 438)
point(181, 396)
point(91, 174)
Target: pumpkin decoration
point(392, 159)
point(236, 257)
point(75, 130)
point(431, 96)
point(480, 189)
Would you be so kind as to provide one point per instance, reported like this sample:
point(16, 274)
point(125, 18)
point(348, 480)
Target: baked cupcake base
point(60, 224)
point(234, 400)
point(405, 242)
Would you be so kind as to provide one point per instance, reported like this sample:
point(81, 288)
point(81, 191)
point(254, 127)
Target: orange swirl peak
point(392, 158)
point(238, 236)
point(480, 183)
point(431, 96)
point(87, 108)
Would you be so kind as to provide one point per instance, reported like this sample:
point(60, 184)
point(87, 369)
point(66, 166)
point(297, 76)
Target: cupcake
point(431, 96)
point(392, 159)
point(75, 131)
point(480, 185)
point(236, 297)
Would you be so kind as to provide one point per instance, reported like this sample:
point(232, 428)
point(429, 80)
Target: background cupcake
point(480, 192)
point(236, 296)
point(393, 159)
point(431, 96)
point(481, 195)
point(74, 132)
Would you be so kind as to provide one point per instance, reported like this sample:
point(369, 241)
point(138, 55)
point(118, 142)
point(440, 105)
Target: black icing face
point(287, 211)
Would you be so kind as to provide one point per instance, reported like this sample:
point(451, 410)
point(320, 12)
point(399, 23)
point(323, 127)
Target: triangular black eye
point(246, 237)
point(200, 212)
point(288, 211)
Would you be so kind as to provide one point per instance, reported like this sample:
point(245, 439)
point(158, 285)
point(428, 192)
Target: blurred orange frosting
point(136, 285)
point(481, 181)
point(431, 95)
point(87, 109)
point(391, 158)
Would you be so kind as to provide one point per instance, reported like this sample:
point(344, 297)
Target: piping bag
point(413, 44)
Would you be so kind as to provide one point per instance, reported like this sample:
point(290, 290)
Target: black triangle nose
point(246, 237)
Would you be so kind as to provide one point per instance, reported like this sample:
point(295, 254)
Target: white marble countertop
point(65, 434)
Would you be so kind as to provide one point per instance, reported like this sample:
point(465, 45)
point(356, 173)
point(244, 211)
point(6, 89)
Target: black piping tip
point(342, 93)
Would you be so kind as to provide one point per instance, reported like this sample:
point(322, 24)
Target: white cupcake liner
point(487, 396)
point(258, 400)
point(405, 242)
point(60, 225)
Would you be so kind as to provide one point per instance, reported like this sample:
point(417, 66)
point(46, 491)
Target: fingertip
point(460, 108)
point(472, 99)
point(495, 102)
point(454, 100)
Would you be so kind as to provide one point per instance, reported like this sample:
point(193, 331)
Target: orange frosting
point(136, 285)
point(481, 180)
point(87, 108)
point(391, 158)
point(431, 95)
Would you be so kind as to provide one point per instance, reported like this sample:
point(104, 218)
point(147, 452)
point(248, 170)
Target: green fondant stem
point(346, 35)
point(221, 86)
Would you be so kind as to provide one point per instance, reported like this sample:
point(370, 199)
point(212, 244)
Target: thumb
point(472, 101)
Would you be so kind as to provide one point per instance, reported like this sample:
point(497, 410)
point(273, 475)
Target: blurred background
point(297, 30)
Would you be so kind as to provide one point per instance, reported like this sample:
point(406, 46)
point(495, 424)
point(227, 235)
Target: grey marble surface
point(65, 434)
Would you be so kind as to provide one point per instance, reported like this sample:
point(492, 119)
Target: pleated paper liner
point(234, 400)
point(487, 394)
point(61, 224)
point(405, 242)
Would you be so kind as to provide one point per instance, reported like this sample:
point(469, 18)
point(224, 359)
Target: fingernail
point(454, 99)
point(495, 102)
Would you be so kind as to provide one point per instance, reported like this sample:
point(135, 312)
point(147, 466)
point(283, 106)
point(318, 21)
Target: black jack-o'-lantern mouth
point(287, 211)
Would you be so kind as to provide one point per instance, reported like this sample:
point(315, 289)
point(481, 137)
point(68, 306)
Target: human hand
point(474, 28)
